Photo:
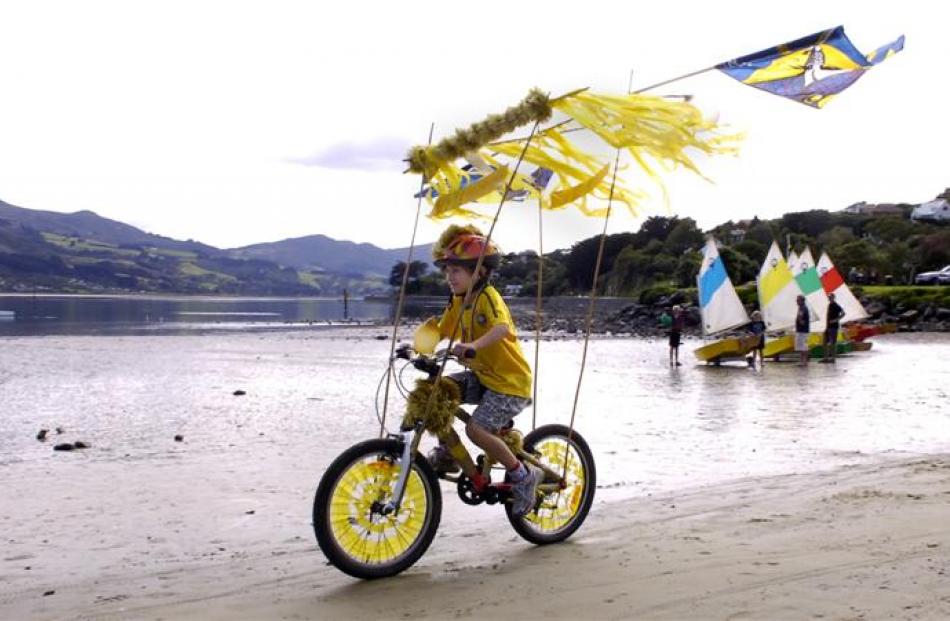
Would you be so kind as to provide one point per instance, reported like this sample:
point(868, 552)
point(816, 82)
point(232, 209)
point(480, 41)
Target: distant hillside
point(83, 252)
point(87, 224)
point(319, 252)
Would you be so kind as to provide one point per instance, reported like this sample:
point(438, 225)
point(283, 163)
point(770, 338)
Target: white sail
point(719, 303)
point(832, 282)
point(792, 260)
point(777, 291)
point(806, 275)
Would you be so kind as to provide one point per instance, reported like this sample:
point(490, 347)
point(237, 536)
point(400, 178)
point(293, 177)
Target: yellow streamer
point(560, 198)
point(658, 133)
point(450, 204)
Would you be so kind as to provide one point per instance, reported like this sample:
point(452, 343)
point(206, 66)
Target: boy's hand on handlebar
point(463, 351)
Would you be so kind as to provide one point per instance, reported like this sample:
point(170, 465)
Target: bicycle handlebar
point(429, 363)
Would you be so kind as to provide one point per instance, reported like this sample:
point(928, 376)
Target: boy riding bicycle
point(499, 378)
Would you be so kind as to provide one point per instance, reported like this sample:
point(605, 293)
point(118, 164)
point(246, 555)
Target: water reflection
point(44, 314)
point(310, 393)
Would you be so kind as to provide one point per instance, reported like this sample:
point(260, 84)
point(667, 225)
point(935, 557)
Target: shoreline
point(855, 541)
point(562, 315)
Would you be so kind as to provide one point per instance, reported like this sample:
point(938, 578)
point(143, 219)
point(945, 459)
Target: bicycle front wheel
point(561, 512)
point(348, 520)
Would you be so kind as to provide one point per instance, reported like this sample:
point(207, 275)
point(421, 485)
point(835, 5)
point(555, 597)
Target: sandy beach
point(720, 496)
point(868, 542)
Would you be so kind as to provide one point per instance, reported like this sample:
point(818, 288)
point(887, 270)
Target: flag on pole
point(812, 69)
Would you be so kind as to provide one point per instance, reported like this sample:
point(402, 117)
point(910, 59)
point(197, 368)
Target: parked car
point(940, 277)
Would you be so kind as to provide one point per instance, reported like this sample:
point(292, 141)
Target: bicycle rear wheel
point(562, 512)
point(348, 521)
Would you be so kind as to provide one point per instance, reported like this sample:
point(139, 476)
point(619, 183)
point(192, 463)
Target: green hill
point(83, 252)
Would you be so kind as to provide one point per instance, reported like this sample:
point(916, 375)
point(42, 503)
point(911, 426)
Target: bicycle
point(379, 503)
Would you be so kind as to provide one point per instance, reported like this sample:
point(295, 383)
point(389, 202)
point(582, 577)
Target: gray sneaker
point(524, 493)
point(441, 461)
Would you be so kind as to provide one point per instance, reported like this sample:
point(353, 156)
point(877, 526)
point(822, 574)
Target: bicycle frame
point(480, 476)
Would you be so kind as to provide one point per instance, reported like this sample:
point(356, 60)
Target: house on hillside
point(866, 209)
point(932, 211)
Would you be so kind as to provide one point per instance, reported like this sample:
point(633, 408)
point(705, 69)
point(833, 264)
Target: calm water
point(312, 390)
point(33, 315)
point(27, 315)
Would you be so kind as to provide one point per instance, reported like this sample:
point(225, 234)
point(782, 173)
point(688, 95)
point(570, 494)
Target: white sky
point(241, 122)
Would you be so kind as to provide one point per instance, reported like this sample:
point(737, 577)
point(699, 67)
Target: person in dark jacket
point(802, 321)
point(757, 327)
point(676, 331)
point(835, 313)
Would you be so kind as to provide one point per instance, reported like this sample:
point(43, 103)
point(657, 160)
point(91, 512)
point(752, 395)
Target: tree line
point(665, 253)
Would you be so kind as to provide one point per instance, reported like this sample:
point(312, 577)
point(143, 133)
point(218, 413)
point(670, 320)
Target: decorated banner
point(810, 70)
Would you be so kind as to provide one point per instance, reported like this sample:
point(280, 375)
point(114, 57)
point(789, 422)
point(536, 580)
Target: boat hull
point(861, 345)
point(860, 332)
point(777, 346)
point(727, 349)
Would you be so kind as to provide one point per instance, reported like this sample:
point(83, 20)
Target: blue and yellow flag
point(812, 69)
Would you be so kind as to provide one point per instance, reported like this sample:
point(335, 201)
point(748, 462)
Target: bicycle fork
point(409, 440)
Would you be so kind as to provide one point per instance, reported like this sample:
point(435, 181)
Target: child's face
point(458, 277)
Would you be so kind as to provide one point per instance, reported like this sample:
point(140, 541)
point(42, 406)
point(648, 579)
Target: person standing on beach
point(835, 313)
point(802, 321)
point(757, 327)
point(676, 330)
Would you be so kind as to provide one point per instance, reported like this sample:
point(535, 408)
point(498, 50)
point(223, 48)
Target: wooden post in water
point(346, 304)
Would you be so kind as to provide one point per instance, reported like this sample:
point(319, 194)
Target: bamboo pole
point(402, 294)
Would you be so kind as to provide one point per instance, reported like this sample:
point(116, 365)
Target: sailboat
point(792, 260)
point(778, 290)
point(811, 285)
point(806, 275)
point(721, 310)
point(833, 282)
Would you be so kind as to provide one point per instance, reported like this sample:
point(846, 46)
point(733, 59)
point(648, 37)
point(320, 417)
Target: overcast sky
point(236, 122)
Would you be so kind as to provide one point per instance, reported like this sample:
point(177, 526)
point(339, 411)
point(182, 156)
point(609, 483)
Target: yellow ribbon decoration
point(450, 204)
point(655, 131)
point(560, 198)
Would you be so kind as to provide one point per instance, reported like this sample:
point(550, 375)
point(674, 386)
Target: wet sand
point(719, 496)
point(858, 542)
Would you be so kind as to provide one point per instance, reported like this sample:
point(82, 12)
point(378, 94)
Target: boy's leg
point(494, 412)
point(494, 446)
point(449, 454)
point(491, 415)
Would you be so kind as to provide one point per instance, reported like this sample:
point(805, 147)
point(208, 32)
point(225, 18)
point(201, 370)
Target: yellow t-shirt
point(501, 366)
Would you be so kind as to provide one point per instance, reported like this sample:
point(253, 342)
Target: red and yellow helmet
point(463, 245)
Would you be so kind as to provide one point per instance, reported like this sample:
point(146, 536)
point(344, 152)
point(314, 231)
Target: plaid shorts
point(495, 410)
